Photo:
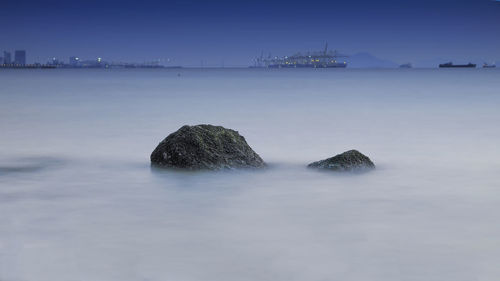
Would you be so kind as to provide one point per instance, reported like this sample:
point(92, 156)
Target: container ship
point(322, 59)
point(451, 65)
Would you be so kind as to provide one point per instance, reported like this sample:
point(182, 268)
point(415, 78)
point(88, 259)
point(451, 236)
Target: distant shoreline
point(234, 67)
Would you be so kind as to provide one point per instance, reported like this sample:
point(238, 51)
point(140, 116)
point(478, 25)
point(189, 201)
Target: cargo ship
point(451, 65)
point(485, 65)
point(322, 59)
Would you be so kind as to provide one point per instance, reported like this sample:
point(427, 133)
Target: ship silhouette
point(451, 65)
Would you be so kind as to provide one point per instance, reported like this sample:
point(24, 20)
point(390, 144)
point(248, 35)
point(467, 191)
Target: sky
point(234, 32)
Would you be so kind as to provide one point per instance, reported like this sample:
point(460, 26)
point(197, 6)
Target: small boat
point(485, 65)
point(450, 64)
point(406, 65)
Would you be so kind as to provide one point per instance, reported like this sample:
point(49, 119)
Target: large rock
point(205, 147)
point(352, 161)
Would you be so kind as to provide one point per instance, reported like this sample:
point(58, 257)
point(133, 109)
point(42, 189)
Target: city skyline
point(235, 33)
point(19, 57)
point(361, 60)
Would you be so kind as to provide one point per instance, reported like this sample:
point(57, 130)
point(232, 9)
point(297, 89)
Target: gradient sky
point(234, 32)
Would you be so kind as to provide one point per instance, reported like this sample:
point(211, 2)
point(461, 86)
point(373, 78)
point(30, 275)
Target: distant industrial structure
point(321, 59)
point(76, 62)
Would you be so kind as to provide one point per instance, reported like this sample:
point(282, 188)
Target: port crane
point(321, 59)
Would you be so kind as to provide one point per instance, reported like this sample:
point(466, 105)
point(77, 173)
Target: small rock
point(350, 161)
point(205, 147)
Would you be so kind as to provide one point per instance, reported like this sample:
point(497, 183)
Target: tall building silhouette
point(20, 57)
point(7, 58)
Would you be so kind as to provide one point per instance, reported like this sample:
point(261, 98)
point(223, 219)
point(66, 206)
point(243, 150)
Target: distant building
point(54, 61)
point(98, 63)
point(20, 57)
point(7, 58)
point(74, 61)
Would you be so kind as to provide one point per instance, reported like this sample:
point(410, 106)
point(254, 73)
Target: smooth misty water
point(79, 201)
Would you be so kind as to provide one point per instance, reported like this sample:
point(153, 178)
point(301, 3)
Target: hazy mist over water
point(79, 200)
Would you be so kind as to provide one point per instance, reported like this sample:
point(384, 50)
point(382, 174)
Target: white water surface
point(79, 200)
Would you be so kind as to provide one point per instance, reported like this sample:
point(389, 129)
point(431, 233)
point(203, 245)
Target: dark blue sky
point(236, 31)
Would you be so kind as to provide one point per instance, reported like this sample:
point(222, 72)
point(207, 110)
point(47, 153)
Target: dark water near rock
point(79, 200)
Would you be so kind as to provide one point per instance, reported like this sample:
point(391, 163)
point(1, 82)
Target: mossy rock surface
point(349, 161)
point(205, 147)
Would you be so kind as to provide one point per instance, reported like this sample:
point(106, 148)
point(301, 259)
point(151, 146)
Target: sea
point(80, 201)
